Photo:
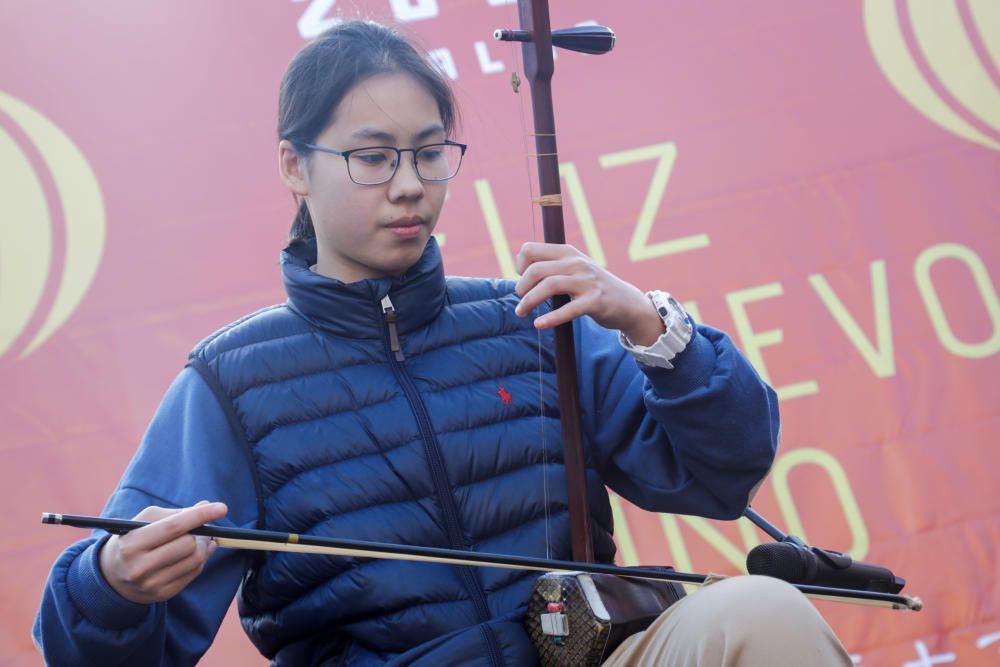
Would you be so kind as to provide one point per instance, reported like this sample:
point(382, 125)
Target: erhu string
point(518, 66)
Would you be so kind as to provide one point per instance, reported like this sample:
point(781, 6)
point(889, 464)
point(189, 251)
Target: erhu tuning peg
point(594, 39)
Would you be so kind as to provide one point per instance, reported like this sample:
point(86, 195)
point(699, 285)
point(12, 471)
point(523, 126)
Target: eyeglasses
point(374, 165)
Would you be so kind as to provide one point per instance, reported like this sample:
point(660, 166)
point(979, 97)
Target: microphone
point(799, 564)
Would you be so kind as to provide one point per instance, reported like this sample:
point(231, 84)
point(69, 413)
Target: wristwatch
point(679, 329)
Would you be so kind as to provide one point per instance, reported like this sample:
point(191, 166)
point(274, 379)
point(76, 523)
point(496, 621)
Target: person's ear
point(293, 169)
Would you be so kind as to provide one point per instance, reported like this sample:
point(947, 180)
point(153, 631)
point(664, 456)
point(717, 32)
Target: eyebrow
point(381, 135)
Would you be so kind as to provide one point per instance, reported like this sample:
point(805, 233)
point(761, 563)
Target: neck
point(345, 272)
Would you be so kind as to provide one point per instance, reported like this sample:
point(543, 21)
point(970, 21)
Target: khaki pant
point(741, 621)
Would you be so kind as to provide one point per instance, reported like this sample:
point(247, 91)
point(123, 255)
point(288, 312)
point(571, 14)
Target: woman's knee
point(751, 599)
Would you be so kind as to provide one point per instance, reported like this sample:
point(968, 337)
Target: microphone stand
point(771, 530)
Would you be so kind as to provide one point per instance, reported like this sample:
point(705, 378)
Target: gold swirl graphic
point(26, 235)
point(948, 49)
point(25, 241)
point(987, 13)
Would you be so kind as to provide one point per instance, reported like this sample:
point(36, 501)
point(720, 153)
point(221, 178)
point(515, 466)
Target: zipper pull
point(390, 319)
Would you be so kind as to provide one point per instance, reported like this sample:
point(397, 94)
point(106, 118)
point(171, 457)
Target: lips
point(410, 221)
point(408, 227)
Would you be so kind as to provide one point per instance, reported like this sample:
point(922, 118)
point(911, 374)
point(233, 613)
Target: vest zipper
point(439, 475)
point(390, 320)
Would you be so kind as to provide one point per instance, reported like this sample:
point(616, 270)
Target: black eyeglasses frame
point(399, 158)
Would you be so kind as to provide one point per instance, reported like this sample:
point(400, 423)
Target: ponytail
point(302, 227)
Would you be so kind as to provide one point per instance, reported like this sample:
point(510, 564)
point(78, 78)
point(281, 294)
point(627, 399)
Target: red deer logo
point(504, 395)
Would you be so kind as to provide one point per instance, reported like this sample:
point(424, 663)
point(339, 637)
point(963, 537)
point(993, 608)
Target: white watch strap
point(674, 339)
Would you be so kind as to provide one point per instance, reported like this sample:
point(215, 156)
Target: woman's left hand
point(548, 269)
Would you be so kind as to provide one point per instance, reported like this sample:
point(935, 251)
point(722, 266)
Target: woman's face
point(371, 231)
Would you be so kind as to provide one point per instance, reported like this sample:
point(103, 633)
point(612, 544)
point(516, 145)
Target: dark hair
point(324, 70)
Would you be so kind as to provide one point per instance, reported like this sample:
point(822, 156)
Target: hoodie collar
point(353, 310)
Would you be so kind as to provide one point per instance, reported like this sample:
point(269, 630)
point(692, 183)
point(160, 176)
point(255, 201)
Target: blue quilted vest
point(447, 442)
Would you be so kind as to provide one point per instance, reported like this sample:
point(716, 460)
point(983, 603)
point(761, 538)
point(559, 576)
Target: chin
point(399, 266)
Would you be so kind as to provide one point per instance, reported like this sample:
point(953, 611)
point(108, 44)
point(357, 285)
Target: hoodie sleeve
point(696, 439)
point(190, 452)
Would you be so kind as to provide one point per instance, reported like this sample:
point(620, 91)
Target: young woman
point(368, 406)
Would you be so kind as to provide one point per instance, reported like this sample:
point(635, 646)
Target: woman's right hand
point(155, 562)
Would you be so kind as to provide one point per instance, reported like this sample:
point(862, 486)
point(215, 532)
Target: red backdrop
point(820, 179)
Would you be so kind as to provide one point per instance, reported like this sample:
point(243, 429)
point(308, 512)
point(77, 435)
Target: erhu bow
point(269, 540)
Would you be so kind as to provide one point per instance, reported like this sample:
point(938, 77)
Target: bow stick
point(537, 40)
point(267, 540)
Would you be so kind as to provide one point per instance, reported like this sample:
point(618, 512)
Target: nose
point(406, 184)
